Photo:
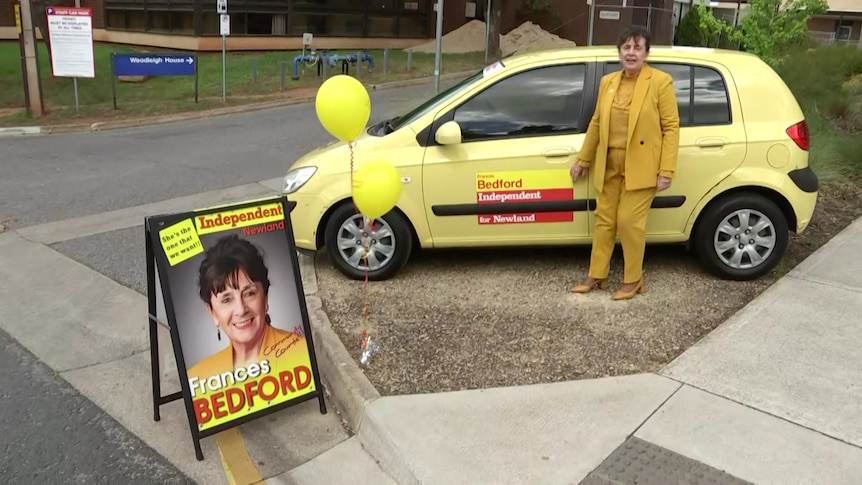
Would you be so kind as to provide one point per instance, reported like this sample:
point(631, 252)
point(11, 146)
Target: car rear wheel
point(389, 243)
point(741, 237)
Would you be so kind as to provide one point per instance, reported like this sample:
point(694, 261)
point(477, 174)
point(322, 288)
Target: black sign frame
point(152, 224)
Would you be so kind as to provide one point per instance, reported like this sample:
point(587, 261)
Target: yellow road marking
point(238, 466)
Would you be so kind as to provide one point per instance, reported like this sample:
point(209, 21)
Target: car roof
point(666, 52)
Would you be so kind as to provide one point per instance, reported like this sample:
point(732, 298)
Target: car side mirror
point(449, 133)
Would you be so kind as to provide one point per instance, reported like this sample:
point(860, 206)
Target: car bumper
point(807, 183)
point(305, 219)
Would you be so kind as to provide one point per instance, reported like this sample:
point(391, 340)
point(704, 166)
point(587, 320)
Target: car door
point(507, 181)
point(712, 141)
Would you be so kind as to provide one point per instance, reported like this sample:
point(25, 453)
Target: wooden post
point(31, 60)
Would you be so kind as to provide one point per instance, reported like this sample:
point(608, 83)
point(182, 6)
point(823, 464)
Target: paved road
point(54, 177)
point(51, 434)
point(50, 431)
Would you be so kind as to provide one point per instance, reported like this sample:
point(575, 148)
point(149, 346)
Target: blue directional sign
point(154, 65)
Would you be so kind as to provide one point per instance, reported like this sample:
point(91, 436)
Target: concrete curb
point(20, 130)
point(349, 390)
point(193, 115)
point(378, 444)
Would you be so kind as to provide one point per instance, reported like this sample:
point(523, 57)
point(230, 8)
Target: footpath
point(771, 396)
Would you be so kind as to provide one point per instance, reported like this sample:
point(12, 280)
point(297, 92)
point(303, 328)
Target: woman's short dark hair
point(632, 33)
point(222, 263)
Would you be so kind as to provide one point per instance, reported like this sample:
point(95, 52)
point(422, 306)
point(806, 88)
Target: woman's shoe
point(588, 287)
point(640, 287)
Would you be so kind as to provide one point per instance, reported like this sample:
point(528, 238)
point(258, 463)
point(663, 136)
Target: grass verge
point(249, 77)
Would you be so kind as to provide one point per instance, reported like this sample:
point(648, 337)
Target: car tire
point(399, 239)
point(726, 221)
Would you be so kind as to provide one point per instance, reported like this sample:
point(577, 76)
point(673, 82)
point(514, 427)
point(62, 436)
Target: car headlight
point(295, 179)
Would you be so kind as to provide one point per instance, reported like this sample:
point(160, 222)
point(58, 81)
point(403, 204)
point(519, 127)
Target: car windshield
point(434, 101)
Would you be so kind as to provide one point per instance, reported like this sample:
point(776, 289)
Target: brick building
point(279, 24)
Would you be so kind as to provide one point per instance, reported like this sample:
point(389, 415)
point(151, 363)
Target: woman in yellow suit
point(631, 144)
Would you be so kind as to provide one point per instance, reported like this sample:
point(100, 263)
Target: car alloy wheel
point(356, 238)
point(744, 239)
point(347, 238)
point(741, 236)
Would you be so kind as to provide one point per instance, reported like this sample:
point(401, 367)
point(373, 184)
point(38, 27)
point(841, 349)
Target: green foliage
point(772, 29)
point(827, 82)
point(817, 77)
point(712, 29)
point(700, 28)
point(688, 32)
point(853, 85)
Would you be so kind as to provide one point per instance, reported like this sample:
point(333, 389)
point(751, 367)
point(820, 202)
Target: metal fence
point(831, 38)
point(607, 19)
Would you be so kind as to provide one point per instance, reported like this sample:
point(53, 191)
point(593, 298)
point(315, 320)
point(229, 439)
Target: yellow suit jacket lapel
point(607, 100)
point(641, 89)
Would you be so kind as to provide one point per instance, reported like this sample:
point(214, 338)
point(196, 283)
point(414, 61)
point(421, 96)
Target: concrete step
point(546, 433)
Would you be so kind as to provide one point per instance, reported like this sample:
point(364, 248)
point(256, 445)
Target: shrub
point(853, 86)
point(827, 82)
point(817, 78)
point(689, 31)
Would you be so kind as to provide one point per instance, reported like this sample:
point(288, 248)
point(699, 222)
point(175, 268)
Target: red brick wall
point(98, 12)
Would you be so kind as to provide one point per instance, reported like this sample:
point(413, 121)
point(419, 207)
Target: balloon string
point(350, 147)
point(365, 257)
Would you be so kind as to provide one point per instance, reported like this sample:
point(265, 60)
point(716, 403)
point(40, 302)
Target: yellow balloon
point(343, 107)
point(376, 188)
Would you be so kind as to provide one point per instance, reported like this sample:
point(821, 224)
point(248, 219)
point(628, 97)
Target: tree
point(773, 28)
point(700, 28)
point(712, 29)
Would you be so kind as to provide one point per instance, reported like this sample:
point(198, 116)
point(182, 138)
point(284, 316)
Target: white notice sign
point(71, 33)
point(224, 24)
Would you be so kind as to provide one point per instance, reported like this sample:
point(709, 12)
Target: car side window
point(681, 74)
point(538, 102)
point(711, 103)
point(700, 93)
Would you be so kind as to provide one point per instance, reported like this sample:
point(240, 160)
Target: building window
point(326, 18)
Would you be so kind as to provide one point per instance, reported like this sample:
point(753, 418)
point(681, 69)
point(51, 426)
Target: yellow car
point(486, 164)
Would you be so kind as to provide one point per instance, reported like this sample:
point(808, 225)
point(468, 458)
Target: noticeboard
point(70, 30)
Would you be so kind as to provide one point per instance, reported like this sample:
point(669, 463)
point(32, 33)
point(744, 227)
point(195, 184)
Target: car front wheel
point(741, 237)
point(388, 243)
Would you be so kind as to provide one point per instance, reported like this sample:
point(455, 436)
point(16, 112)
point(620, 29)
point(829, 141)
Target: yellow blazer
point(653, 130)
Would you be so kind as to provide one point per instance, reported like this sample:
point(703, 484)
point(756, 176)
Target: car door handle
point(558, 152)
point(712, 142)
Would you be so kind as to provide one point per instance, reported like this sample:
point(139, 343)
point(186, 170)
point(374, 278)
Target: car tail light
point(799, 134)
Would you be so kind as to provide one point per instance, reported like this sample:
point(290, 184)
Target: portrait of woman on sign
point(234, 287)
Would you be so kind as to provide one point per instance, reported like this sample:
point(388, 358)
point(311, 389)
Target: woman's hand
point(577, 171)
point(663, 183)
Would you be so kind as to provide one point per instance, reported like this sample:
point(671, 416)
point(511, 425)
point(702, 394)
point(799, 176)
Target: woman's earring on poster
point(267, 318)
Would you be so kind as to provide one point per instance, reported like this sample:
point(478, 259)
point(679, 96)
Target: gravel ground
point(457, 320)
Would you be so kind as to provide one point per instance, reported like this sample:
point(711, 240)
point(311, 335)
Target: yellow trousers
point(618, 209)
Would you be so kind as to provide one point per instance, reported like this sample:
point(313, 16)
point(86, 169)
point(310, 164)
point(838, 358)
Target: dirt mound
point(471, 38)
point(529, 37)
